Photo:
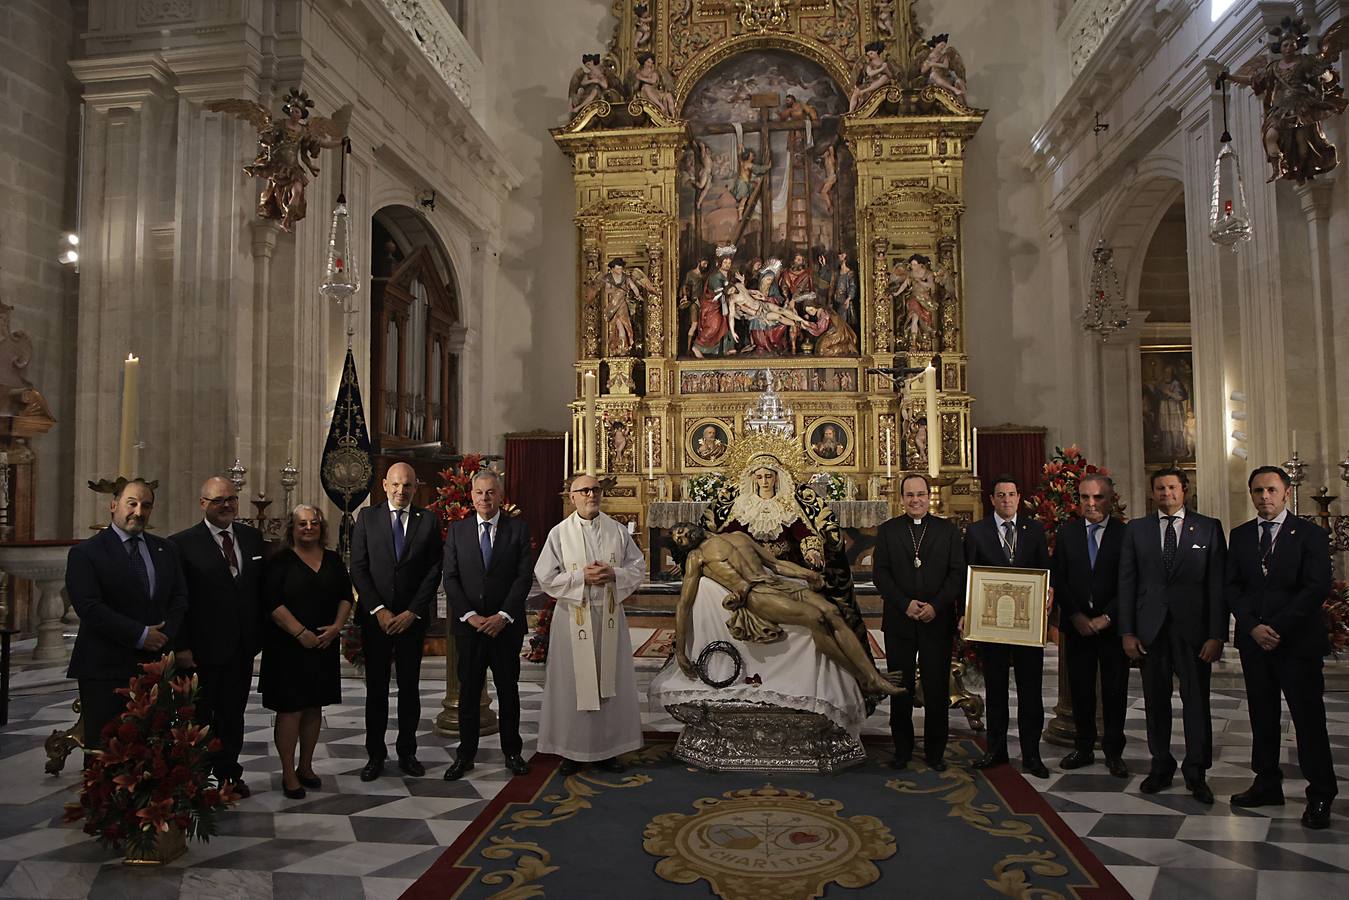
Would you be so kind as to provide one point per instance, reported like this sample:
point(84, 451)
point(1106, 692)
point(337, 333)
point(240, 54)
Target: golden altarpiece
point(769, 186)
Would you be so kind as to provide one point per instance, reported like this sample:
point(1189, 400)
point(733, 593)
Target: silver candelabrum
point(1337, 526)
point(272, 527)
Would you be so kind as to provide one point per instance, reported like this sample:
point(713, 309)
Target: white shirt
point(1175, 526)
point(220, 542)
point(495, 522)
point(1273, 532)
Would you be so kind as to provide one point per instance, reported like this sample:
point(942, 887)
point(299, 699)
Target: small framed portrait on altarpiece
point(829, 442)
point(1006, 605)
point(707, 442)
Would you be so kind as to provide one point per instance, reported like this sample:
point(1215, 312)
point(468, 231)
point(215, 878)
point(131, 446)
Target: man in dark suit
point(128, 590)
point(395, 566)
point(920, 572)
point(222, 562)
point(487, 571)
point(1278, 575)
point(1172, 616)
point(1085, 569)
point(1008, 539)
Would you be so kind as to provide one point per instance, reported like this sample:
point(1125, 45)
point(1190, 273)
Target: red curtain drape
point(534, 480)
point(1013, 451)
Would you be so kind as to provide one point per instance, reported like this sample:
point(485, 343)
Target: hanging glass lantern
point(340, 279)
point(1105, 311)
point(1229, 218)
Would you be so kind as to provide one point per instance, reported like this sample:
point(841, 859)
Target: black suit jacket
point(113, 607)
point(396, 584)
point(983, 544)
point(1288, 598)
point(939, 581)
point(1192, 593)
point(503, 587)
point(1078, 588)
point(224, 617)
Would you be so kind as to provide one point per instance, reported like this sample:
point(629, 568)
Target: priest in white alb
point(589, 565)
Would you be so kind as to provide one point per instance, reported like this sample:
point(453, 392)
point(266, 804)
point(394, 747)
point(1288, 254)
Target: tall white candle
point(888, 473)
point(589, 390)
point(974, 441)
point(933, 423)
point(290, 450)
point(650, 452)
point(566, 455)
point(126, 446)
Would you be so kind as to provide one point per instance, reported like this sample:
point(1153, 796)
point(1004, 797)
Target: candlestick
point(126, 448)
point(933, 423)
point(888, 473)
point(650, 453)
point(589, 391)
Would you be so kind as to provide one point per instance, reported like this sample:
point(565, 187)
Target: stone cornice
point(124, 82)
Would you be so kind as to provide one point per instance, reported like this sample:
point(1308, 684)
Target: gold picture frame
point(1004, 605)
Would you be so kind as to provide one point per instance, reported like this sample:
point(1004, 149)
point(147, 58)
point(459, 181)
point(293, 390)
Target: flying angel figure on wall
point(286, 148)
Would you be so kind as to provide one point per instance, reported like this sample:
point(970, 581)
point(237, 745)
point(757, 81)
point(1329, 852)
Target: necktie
point(398, 534)
point(1266, 540)
point(1009, 541)
point(227, 548)
point(486, 543)
point(1169, 543)
point(1093, 548)
point(137, 561)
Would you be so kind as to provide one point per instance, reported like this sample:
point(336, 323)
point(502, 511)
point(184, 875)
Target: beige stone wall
point(37, 205)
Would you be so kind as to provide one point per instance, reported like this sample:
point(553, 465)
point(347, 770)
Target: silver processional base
point(739, 736)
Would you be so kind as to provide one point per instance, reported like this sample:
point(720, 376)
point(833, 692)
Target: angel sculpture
point(285, 150)
point(1299, 91)
point(641, 26)
point(942, 66)
point(653, 84)
point(593, 81)
point(871, 75)
point(620, 292)
point(885, 17)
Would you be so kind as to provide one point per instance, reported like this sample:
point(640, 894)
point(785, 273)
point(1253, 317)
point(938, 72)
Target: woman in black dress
point(309, 593)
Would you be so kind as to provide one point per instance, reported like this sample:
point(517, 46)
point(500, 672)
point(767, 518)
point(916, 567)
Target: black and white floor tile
point(372, 840)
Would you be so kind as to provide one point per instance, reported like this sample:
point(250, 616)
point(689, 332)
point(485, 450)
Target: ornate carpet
point(663, 829)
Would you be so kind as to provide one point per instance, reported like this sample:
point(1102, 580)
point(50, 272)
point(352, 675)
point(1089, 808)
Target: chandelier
point(1105, 312)
point(340, 281)
point(1229, 219)
point(769, 413)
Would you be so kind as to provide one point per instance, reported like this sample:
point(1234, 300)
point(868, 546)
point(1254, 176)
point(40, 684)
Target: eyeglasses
point(588, 491)
point(221, 501)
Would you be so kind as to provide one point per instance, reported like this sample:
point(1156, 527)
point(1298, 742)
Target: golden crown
point(758, 447)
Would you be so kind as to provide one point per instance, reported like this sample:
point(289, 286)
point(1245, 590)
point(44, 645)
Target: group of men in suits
point(1160, 590)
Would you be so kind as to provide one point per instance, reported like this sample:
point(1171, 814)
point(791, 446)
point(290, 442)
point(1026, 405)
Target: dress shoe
point(937, 765)
point(1115, 766)
point(1317, 814)
point(517, 765)
point(241, 788)
point(293, 793)
point(372, 770)
point(458, 768)
point(309, 781)
point(409, 765)
point(1200, 790)
point(1034, 766)
point(569, 767)
point(611, 765)
point(988, 760)
point(1156, 782)
point(1077, 759)
point(1257, 795)
point(899, 763)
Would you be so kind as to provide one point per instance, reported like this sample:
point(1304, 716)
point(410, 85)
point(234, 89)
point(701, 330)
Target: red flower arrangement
point(538, 638)
point(1335, 611)
point(1055, 500)
point(155, 769)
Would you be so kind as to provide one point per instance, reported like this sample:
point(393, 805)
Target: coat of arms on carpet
point(765, 842)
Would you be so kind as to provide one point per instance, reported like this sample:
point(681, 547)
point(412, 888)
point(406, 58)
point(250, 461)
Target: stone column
point(1315, 199)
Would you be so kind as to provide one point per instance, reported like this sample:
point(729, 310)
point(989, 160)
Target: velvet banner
point(534, 480)
point(1012, 450)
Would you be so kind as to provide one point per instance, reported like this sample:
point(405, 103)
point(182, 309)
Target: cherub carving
point(872, 74)
point(286, 147)
point(653, 84)
point(641, 26)
point(594, 80)
point(1298, 91)
point(941, 66)
point(885, 17)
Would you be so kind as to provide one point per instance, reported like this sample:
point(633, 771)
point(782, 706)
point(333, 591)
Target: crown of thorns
point(298, 98)
point(1289, 28)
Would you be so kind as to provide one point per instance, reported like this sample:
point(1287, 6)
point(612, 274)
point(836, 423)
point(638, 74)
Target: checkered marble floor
point(358, 840)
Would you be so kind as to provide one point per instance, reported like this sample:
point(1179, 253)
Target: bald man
point(222, 563)
point(395, 566)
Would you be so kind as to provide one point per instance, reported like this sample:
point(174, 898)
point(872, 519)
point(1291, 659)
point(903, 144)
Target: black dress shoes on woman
point(310, 781)
point(517, 765)
point(457, 769)
point(293, 793)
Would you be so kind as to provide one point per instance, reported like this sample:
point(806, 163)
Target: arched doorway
point(415, 341)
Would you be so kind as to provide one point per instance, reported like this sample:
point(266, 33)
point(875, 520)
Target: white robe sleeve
point(631, 571)
point(567, 588)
